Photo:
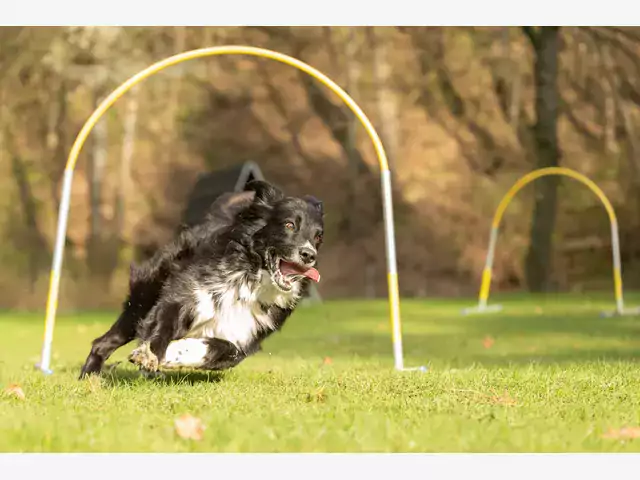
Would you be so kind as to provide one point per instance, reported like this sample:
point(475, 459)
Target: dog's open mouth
point(285, 273)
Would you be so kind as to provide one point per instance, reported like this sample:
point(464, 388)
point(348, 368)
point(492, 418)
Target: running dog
point(210, 297)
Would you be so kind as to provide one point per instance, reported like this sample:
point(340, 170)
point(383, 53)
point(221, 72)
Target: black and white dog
point(210, 297)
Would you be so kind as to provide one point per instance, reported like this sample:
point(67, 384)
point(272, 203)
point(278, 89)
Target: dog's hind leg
point(223, 355)
point(186, 352)
point(144, 289)
point(163, 325)
point(204, 354)
point(121, 332)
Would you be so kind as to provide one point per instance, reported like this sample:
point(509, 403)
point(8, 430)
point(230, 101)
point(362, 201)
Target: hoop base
point(624, 313)
point(479, 309)
point(421, 368)
point(45, 371)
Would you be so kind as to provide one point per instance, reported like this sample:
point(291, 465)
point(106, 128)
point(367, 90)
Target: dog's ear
point(264, 192)
point(315, 203)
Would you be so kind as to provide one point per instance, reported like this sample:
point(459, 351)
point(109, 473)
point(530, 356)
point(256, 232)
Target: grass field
point(545, 375)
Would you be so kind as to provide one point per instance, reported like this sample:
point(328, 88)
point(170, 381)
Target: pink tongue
point(287, 268)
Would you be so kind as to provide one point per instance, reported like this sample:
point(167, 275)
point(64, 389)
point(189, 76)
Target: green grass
point(555, 379)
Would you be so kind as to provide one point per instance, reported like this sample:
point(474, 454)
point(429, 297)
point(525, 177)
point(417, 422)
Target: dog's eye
point(318, 237)
point(289, 226)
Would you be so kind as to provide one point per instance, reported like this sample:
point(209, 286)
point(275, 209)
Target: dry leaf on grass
point(488, 342)
point(504, 399)
point(625, 433)
point(15, 391)
point(327, 361)
point(317, 396)
point(189, 427)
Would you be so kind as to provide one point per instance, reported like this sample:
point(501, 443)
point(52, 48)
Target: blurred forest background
point(463, 112)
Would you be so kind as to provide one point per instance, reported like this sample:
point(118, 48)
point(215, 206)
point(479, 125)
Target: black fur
point(244, 236)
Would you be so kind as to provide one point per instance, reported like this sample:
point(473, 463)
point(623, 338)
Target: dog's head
point(290, 236)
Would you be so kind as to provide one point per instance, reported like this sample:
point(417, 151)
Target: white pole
point(488, 266)
point(56, 270)
point(392, 268)
point(617, 267)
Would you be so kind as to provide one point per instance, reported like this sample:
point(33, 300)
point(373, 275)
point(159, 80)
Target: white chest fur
point(237, 315)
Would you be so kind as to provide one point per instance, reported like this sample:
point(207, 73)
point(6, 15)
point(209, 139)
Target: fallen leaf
point(624, 433)
point(317, 396)
point(327, 361)
point(189, 427)
point(16, 391)
point(504, 399)
point(488, 342)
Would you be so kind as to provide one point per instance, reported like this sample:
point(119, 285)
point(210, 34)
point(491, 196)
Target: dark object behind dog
point(211, 296)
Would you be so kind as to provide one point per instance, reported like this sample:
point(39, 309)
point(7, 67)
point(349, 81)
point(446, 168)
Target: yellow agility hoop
point(485, 286)
point(392, 273)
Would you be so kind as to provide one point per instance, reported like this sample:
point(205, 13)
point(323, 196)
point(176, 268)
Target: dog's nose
point(308, 255)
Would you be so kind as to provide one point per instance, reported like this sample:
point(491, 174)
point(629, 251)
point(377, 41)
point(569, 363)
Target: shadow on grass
point(558, 335)
point(118, 376)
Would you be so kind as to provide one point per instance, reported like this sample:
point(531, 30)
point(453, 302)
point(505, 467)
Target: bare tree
point(545, 43)
point(386, 98)
point(126, 157)
point(98, 230)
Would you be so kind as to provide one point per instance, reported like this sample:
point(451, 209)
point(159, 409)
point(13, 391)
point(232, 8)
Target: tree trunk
point(96, 171)
point(352, 217)
point(352, 81)
point(97, 165)
point(386, 101)
point(610, 114)
point(128, 145)
point(56, 141)
point(515, 81)
point(545, 42)
point(36, 244)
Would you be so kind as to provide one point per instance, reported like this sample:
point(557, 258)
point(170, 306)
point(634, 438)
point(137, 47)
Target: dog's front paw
point(144, 358)
point(187, 352)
